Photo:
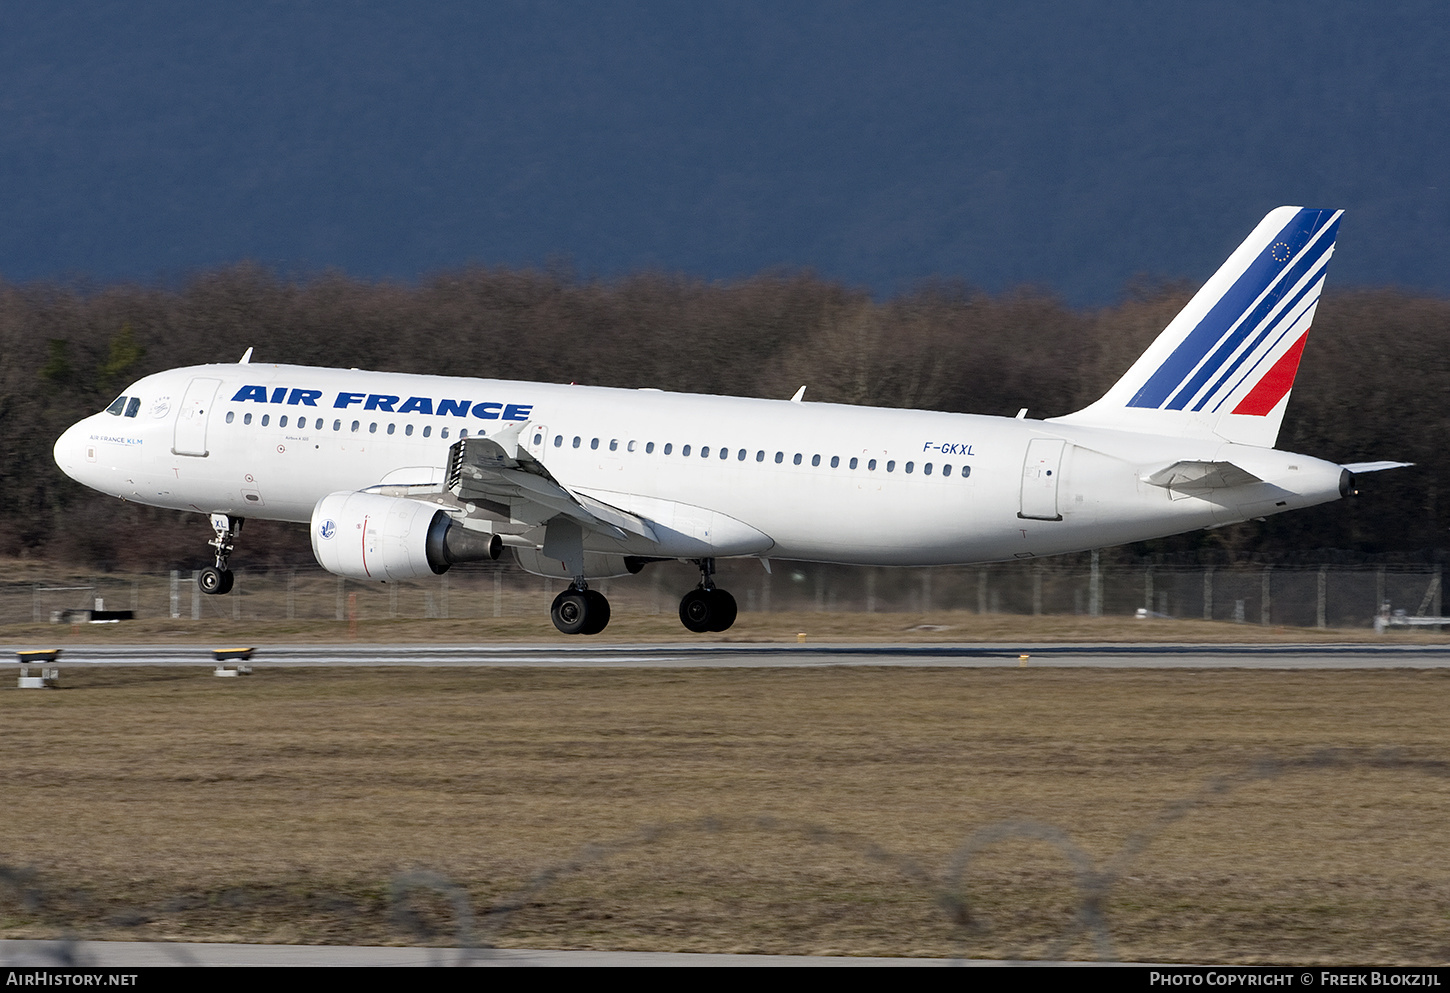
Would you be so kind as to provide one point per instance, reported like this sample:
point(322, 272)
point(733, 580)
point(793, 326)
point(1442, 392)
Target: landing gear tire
point(598, 614)
point(722, 610)
point(580, 612)
point(703, 610)
point(570, 611)
point(214, 581)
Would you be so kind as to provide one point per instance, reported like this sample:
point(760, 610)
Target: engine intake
point(381, 538)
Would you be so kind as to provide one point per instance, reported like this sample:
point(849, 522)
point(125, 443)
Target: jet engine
point(368, 536)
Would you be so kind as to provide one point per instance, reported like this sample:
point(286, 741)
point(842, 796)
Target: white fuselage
point(806, 481)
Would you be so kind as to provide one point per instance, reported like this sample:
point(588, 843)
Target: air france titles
point(485, 410)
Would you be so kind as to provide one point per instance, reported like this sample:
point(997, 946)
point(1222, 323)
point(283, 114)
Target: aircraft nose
point(69, 450)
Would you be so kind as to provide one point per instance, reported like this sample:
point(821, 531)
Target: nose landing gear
point(217, 579)
point(707, 608)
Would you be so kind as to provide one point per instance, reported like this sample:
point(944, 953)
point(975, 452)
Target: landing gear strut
point(217, 579)
point(707, 608)
point(580, 610)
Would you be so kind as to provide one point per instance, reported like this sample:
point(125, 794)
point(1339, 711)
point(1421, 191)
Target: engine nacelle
point(368, 536)
point(597, 565)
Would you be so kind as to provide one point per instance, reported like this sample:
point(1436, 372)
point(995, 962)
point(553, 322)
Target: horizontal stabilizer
point(1202, 476)
point(1359, 467)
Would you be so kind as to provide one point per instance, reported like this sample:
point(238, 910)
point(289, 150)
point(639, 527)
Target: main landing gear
point(217, 579)
point(707, 608)
point(580, 610)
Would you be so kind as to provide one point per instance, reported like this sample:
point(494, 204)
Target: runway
point(753, 656)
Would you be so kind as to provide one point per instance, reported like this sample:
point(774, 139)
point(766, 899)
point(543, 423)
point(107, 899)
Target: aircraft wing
point(499, 475)
point(1202, 476)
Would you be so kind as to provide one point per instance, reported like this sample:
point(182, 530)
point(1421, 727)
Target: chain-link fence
point(1296, 596)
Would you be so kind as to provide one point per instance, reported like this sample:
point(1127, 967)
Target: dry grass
point(764, 810)
point(940, 627)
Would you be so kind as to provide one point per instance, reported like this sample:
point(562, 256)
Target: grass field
point(944, 626)
point(1201, 816)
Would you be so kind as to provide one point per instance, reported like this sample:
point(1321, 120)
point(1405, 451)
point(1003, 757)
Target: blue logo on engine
point(328, 529)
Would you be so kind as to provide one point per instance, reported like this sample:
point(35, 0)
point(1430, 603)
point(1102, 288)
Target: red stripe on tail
point(1275, 385)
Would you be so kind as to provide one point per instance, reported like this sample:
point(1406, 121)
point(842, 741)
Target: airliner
point(401, 476)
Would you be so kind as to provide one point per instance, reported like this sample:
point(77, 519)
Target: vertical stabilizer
point(1224, 366)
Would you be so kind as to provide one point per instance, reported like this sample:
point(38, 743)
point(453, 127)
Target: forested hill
point(1373, 383)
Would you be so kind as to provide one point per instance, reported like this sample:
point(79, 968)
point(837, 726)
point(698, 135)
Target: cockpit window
point(117, 407)
point(133, 407)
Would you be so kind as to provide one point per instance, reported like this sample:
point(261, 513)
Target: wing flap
point(498, 470)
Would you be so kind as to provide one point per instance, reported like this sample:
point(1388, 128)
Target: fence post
point(1438, 612)
point(195, 596)
point(1379, 590)
point(1320, 613)
point(981, 591)
point(1208, 593)
point(1148, 588)
point(175, 595)
point(870, 591)
point(1265, 604)
point(340, 581)
point(291, 594)
point(1095, 588)
point(1037, 589)
point(236, 595)
point(498, 592)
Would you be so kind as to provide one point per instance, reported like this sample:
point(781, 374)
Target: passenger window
point(779, 457)
point(133, 407)
point(685, 451)
point(853, 463)
point(463, 433)
point(265, 419)
point(336, 425)
point(614, 444)
point(392, 428)
point(760, 455)
point(871, 466)
point(408, 430)
point(282, 421)
point(373, 428)
point(649, 448)
point(441, 434)
point(355, 426)
point(724, 454)
point(946, 470)
point(577, 439)
point(910, 466)
point(632, 445)
point(835, 461)
point(427, 430)
point(538, 438)
point(926, 468)
point(704, 452)
point(118, 405)
point(246, 418)
point(966, 471)
point(558, 440)
point(594, 444)
point(891, 465)
point(815, 460)
point(797, 458)
point(669, 446)
point(231, 415)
